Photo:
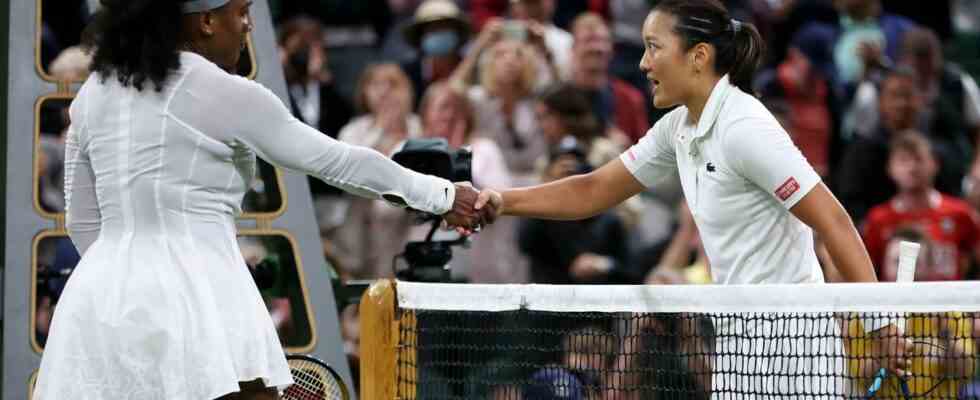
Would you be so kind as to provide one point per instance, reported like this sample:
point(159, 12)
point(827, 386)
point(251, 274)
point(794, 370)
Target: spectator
point(804, 82)
point(567, 123)
point(950, 112)
point(663, 356)
point(353, 30)
point(948, 223)
point(312, 95)
point(614, 101)
point(386, 96)
point(373, 232)
point(592, 250)
point(790, 17)
point(563, 113)
point(483, 11)
point(627, 24)
point(586, 354)
point(557, 40)
point(353, 23)
point(438, 32)
point(867, 37)
point(862, 181)
point(395, 48)
point(503, 99)
point(555, 383)
point(493, 256)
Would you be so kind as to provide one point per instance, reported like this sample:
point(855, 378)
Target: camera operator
point(593, 250)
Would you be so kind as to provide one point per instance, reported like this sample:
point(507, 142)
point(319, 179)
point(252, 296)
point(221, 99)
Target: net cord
point(902, 297)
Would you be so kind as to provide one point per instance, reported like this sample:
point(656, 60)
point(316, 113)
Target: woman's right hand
point(491, 204)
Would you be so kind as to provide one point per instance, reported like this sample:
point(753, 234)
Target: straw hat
point(436, 11)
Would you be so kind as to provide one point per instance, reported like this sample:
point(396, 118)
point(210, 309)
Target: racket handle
point(878, 381)
point(908, 254)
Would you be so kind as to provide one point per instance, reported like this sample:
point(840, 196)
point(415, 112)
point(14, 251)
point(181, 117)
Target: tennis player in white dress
point(755, 199)
point(161, 305)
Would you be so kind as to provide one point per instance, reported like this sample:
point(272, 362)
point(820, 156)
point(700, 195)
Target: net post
point(379, 341)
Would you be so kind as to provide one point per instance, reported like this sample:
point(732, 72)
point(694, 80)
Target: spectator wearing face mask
point(312, 95)
point(438, 33)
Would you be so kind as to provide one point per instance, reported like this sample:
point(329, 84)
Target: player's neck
point(701, 93)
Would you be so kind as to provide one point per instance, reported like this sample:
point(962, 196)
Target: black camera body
point(432, 156)
point(428, 261)
point(570, 146)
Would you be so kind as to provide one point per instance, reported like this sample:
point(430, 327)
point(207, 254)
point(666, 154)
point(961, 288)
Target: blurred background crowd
point(879, 95)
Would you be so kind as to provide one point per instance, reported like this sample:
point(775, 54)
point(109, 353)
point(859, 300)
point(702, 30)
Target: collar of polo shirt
point(713, 107)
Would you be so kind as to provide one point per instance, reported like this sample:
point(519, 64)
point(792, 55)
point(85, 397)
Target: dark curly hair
point(136, 41)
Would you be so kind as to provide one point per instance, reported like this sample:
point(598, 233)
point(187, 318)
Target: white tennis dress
point(161, 305)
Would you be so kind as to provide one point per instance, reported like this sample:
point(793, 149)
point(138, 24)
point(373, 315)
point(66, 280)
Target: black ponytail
point(136, 41)
point(738, 46)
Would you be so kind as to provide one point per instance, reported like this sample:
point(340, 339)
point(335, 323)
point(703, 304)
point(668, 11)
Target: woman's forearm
point(564, 199)
point(848, 253)
point(575, 197)
point(825, 215)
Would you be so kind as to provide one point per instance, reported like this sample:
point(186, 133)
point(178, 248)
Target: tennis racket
point(314, 380)
point(908, 254)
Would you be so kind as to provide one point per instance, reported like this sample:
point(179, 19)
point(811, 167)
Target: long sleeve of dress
point(242, 112)
point(82, 217)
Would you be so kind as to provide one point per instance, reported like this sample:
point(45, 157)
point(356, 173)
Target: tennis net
point(540, 342)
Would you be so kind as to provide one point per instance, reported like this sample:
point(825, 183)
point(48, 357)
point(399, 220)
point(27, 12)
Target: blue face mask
point(439, 43)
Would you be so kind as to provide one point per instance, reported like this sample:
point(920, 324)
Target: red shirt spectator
point(614, 101)
point(950, 225)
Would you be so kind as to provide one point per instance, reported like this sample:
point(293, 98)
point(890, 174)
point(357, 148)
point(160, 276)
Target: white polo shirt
point(741, 174)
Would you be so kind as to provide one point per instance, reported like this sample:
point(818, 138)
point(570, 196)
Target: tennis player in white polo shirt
point(754, 197)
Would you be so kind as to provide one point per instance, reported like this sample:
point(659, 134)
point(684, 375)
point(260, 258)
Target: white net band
point(801, 298)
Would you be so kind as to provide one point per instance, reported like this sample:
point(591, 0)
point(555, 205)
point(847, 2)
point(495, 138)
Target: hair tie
point(736, 25)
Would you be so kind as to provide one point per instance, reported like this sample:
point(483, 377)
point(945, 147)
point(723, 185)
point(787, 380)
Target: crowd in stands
point(880, 96)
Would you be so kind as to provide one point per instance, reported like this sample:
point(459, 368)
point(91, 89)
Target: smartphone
point(515, 30)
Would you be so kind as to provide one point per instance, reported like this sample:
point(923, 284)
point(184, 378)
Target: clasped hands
point(473, 209)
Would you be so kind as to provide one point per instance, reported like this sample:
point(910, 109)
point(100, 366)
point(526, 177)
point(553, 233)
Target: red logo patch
point(787, 189)
point(632, 156)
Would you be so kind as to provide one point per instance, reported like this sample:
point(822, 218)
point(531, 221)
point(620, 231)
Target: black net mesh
point(616, 356)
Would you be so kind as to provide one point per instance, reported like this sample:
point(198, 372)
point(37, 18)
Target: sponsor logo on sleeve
point(787, 189)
